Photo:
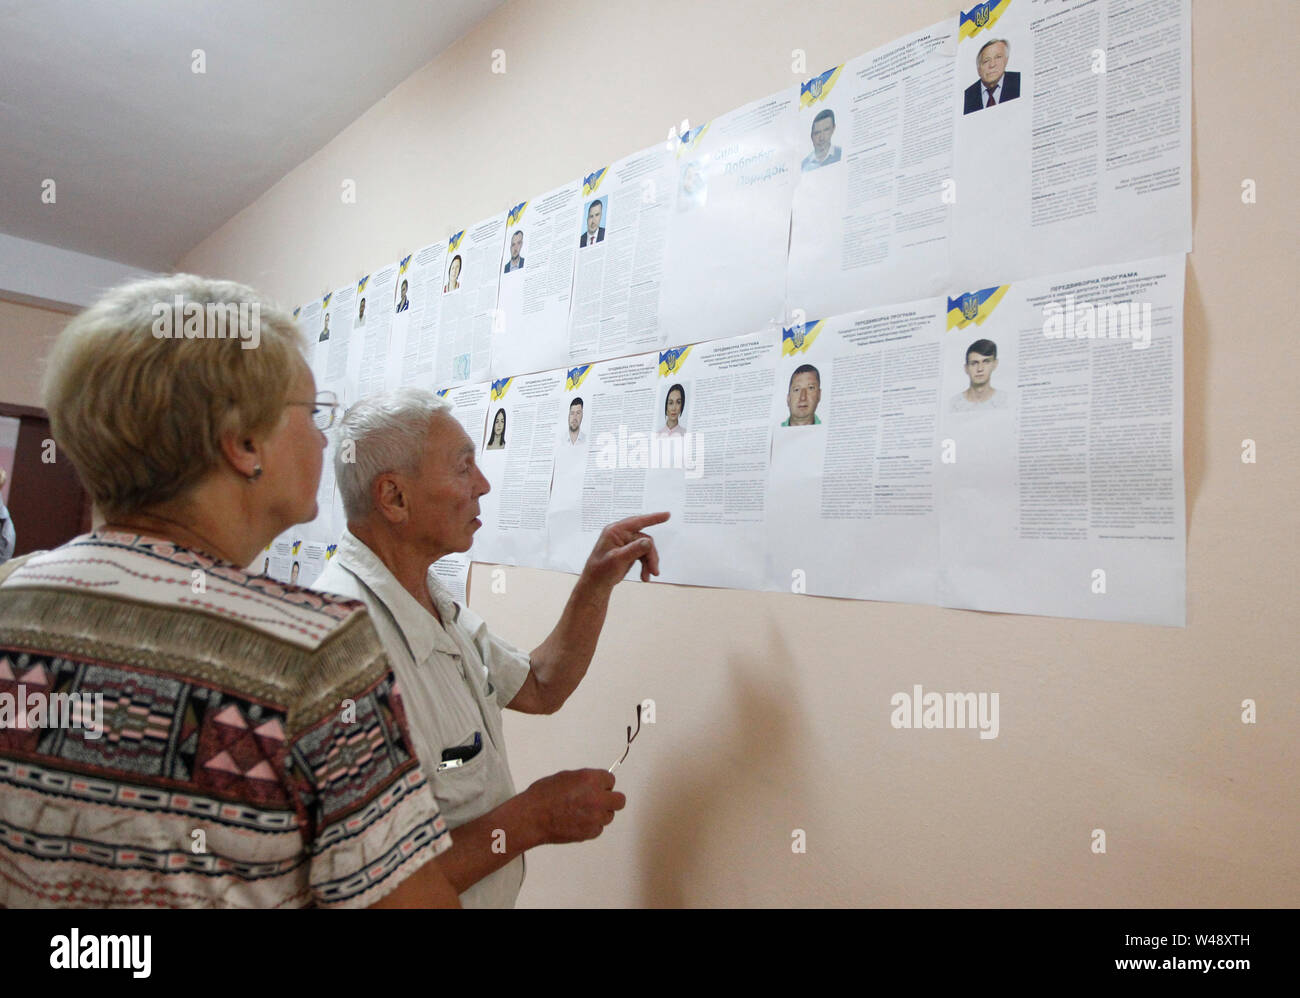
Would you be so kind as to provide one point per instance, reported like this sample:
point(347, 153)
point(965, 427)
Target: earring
point(257, 473)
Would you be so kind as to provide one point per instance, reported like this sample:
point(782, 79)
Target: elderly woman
point(216, 738)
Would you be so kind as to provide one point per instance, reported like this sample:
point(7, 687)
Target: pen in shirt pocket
point(461, 754)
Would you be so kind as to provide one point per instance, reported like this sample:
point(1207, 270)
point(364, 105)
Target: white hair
point(1006, 45)
point(387, 433)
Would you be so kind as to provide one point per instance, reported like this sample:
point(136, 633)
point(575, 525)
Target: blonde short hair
point(141, 385)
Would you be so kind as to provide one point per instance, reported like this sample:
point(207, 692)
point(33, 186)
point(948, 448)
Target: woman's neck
point(171, 528)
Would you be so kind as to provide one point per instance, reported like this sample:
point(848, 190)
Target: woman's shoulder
point(160, 574)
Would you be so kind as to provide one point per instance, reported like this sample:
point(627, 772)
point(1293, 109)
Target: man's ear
point(241, 451)
point(389, 497)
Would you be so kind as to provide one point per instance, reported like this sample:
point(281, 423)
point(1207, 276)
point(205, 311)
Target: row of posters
point(1013, 448)
point(1025, 138)
point(897, 175)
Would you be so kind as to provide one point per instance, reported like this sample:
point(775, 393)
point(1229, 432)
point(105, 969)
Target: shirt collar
point(418, 626)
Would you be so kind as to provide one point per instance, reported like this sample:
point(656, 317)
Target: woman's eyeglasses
point(324, 409)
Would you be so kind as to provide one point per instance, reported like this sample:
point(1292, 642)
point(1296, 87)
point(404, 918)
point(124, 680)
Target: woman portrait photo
point(674, 406)
point(453, 275)
point(497, 440)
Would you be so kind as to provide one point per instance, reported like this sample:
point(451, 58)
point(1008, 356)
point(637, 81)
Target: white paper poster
point(1085, 155)
point(517, 458)
point(620, 261)
point(368, 354)
point(531, 332)
point(1062, 418)
point(417, 314)
point(469, 302)
point(602, 453)
point(853, 503)
point(871, 212)
point(713, 399)
point(729, 229)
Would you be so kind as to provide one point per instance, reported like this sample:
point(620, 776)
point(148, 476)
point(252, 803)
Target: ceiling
point(149, 157)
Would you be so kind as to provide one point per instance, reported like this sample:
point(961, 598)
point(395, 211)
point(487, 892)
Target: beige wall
point(773, 710)
point(26, 335)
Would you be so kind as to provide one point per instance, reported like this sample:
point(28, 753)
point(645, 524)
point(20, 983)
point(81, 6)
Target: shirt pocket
point(459, 787)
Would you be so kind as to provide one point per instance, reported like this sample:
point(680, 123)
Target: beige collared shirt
point(454, 680)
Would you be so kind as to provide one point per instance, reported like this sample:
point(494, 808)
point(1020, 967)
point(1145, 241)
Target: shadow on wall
point(719, 777)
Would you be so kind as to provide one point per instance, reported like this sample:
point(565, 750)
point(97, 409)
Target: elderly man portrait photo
point(411, 496)
point(995, 85)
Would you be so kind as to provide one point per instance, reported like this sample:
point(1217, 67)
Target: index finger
point(644, 520)
point(650, 562)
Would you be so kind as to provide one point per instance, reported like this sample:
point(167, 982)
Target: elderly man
point(411, 496)
point(995, 85)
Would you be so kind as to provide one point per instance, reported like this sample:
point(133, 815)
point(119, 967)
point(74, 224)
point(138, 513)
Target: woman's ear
point(242, 453)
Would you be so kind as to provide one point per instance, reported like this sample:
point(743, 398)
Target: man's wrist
point(531, 827)
point(592, 591)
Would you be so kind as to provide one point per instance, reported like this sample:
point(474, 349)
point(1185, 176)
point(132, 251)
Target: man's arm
point(559, 663)
point(572, 806)
point(427, 887)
